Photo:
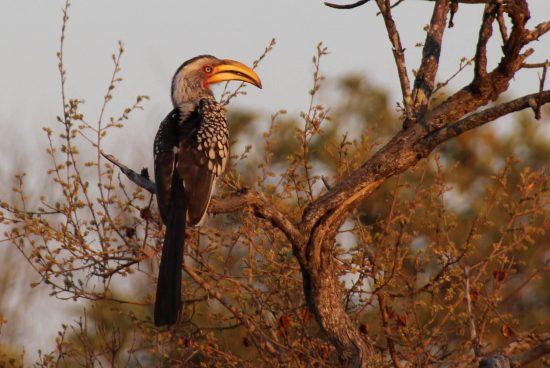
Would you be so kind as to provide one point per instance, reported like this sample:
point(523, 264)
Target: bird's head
point(194, 78)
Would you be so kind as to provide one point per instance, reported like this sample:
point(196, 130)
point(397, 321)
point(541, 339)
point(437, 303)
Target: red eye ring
point(208, 69)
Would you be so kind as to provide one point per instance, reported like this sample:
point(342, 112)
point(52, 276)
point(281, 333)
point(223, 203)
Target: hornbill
point(190, 152)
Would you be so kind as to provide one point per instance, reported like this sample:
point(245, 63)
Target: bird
point(191, 150)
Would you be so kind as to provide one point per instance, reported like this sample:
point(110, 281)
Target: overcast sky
point(160, 35)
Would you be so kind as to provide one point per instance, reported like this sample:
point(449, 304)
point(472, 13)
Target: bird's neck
point(186, 97)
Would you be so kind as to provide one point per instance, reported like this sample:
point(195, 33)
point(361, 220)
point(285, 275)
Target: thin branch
point(535, 65)
point(502, 23)
point(470, 1)
point(347, 6)
point(399, 56)
point(387, 329)
point(471, 322)
point(539, 104)
point(463, 64)
point(262, 209)
point(363, 2)
point(237, 313)
point(454, 10)
point(485, 32)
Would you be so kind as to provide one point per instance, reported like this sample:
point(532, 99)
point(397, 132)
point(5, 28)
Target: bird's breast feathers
point(212, 136)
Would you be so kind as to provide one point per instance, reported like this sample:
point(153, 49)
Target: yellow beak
point(233, 70)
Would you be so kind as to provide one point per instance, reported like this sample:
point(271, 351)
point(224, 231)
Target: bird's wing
point(164, 160)
point(202, 156)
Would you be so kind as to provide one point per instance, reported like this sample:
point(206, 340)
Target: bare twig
point(399, 56)
point(227, 95)
point(535, 65)
point(347, 6)
point(471, 322)
point(463, 64)
point(538, 102)
point(387, 329)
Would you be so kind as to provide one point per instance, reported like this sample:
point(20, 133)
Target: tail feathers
point(168, 298)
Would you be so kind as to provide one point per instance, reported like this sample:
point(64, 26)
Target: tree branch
point(262, 209)
point(387, 329)
point(399, 56)
point(477, 119)
point(243, 198)
point(538, 349)
point(538, 101)
point(362, 2)
point(535, 65)
point(539, 30)
point(485, 33)
point(347, 6)
point(424, 82)
point(402, 151)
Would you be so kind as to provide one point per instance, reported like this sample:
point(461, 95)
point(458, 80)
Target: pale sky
point(160, 35)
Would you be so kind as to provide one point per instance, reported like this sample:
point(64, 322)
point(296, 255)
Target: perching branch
point(243, 198)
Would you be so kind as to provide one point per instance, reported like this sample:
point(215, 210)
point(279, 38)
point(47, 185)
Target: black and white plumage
point(190, 152)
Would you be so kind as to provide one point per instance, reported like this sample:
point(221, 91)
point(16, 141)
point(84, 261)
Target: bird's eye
point(208, 69)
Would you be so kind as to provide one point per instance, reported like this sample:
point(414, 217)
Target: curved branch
point(485, 33)
point(262, 209)
point(347, 6)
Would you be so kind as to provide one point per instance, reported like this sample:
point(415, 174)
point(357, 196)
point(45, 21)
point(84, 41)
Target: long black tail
point(168, 299)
